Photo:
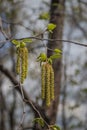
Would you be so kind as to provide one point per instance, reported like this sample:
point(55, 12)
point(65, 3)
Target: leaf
point(42, 57)
point(49, 60)
point(44, 16)
point(55, 56)
point(57, 51)
point(22, 44)
point(39, 121)
point(16, 42)
point(51, 27)
point(27, 40)
point(55, 127)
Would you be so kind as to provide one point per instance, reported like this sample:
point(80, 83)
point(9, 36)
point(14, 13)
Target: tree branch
point(17, 85)
point(44, 39)
point(34, 106)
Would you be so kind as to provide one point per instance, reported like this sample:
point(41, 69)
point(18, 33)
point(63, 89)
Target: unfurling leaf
point(16, 42)
point(27, 40)
point(55, 56)
point(51, 27)
point(22, 44)
point(42, 57)
point(49, 60)
point(44, 16)
point(39, 121)
point(57, 51)
point(55, 127)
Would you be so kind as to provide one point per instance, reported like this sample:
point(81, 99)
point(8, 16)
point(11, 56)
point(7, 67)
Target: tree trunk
point(57, 17)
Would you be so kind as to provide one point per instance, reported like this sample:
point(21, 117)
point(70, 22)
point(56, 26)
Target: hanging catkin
point(47, 87)
point(43, 76)
point(51, 83)
point(18, 64)
point(22, 63)
point(47, 80)
point(26, 61)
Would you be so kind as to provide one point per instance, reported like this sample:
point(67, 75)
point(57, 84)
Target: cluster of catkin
point(47, 78)
point(22, 63)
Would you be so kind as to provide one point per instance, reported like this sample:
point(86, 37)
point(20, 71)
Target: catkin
point(22, 63)
point(51, 83)
point(47, 80)
point(18, 62)
point(43, 73)
point(26, 62)
point(47, 85)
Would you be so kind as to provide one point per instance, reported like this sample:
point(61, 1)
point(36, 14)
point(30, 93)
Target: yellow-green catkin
point(22, 76)
point(47, 87)
point(43, 74)
point(26, 61)
point(22, 63)
point(18, 64)
point(47, 83)
point(51, 83)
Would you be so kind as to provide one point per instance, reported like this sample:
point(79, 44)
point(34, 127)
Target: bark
point(57, 17)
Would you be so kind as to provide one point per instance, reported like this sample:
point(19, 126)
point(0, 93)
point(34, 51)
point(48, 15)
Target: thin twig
point(44, 39)
point(37, 112)
point(24, 94)
point(23, 115)
point(16, 24)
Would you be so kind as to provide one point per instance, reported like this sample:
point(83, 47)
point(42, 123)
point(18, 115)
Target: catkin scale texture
point(18, 64)
point(22, 63)
point(51, 83)
point(26, 62)
point(47, 85)
point(43, 73)
point(47, 80)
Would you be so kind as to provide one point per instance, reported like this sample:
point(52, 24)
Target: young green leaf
point(55, 56)
point(27, 40)
point(57, 51)
point(39, 121)
point(44, 16)
point(22, 44)
point(51, 27)
point(55, 127)
point(16, 42)
point(42, 57)
point(49, 60)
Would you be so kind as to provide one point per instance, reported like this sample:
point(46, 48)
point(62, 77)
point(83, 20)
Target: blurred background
point(26, 18)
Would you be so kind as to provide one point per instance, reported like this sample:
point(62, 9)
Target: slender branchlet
point(51, 83)
point(18, 64)
point(47, 84)
point(43, 82)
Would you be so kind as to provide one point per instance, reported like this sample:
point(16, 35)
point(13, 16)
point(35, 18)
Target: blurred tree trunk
point(56, 17)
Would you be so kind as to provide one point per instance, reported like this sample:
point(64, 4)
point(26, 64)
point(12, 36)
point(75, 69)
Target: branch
point(45, 39)
point(53, 40)
point(16, 24)
point(35, 107)
point(18, 86)
point(37, 38)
